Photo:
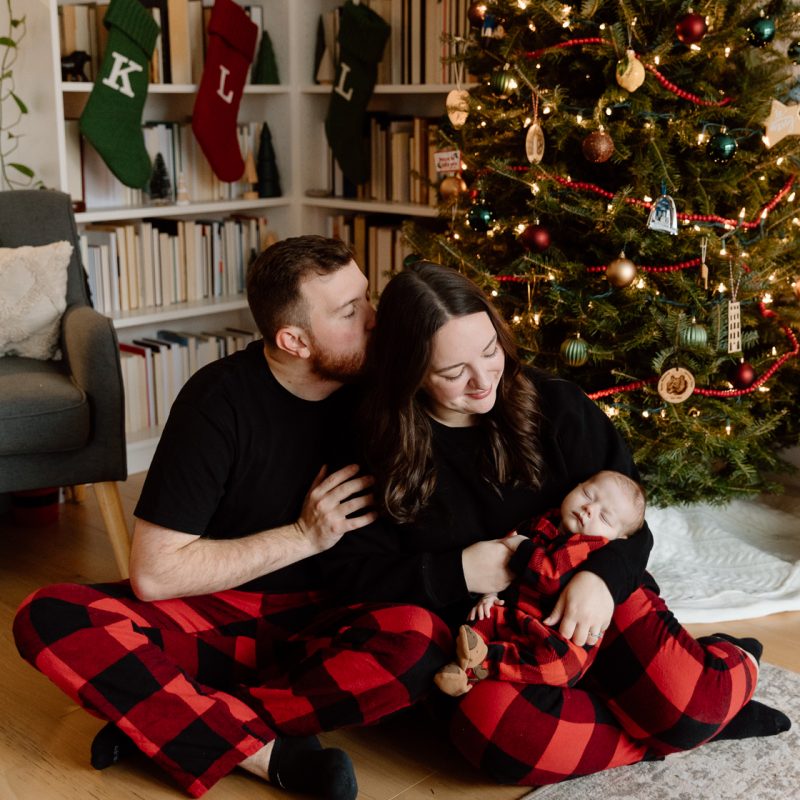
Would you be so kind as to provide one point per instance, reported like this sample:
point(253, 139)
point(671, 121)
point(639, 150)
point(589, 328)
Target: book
point(160, 12)
point(149, 378)
point(180, 55)
point(196, 43)
point(161, 379)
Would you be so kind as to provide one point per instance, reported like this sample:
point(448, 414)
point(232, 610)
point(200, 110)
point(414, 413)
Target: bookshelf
point(295, 111)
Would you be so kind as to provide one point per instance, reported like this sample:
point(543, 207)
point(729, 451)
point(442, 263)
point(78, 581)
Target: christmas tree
point(626, 186)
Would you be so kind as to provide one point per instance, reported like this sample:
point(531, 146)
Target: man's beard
point(341, 368)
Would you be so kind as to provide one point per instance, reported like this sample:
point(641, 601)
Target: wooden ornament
point(457, 105)
point(782, 121)
point(675, 385)
point(534, 143)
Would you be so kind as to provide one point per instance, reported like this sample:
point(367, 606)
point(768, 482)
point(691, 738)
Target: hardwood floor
point(44, 737)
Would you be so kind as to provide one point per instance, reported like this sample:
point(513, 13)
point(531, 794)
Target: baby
point(508, 640)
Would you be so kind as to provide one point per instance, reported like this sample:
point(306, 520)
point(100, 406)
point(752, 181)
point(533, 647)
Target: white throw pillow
point(33, 296)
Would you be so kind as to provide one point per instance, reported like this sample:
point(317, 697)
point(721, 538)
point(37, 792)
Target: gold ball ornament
point(451, 187)
point(630, 72)
point(598, 147)
point(621, 271)
point(796, 288)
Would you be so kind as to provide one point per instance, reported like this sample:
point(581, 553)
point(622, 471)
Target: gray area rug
point(751, 769)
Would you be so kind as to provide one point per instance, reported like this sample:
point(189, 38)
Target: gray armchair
point(62, 422)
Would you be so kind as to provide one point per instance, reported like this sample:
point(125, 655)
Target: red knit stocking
point(231, 45)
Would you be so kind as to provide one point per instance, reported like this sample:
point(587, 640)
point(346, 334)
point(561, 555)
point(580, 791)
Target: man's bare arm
point(167, 563)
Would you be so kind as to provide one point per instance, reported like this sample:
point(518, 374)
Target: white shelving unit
point(295, 111)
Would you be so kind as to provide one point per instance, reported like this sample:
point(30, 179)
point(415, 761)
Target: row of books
point(379, 246)
point(189, 177)
point(180, 49)
point(418, 45)
point(158, 262)
point(155, 368)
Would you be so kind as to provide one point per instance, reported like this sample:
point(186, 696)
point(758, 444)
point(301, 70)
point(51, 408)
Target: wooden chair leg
point(75, 494)
point(111, 508)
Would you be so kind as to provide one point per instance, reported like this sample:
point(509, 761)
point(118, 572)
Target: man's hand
point(323, 519)
point(584, 609)
point(485, 566)
point(483, 608)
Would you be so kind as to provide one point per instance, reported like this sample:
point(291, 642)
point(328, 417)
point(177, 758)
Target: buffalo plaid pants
point(521, 648)
point(652, 690)
point(201, 683)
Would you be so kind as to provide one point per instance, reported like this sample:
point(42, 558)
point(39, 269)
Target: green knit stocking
point(112, 119)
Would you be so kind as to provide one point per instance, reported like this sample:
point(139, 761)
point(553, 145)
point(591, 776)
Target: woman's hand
point(485, 566)
point(585, 607)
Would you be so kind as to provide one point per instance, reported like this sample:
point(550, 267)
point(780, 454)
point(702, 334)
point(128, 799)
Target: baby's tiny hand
point(483, 608)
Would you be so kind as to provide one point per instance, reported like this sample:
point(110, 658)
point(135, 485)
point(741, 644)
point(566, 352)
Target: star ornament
point(782, 121)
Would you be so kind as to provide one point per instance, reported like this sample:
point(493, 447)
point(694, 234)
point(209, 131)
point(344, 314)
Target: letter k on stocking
point(231, 46)
point(112, 119)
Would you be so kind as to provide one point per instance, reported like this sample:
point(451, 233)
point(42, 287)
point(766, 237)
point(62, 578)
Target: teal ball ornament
point(502, 83)
point(721, 148)
point(761, 31)
point(480, 218)
point(793, 52)
point(574, 351)
point(411, 259)
point(694, 336)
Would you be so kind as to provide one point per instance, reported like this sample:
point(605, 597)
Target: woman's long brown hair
point(397, 429)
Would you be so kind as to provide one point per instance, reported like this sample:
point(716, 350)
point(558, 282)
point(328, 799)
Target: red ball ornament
point(691, 28)
point(598, 147)
point(743, 376)
point(476, 14)
point(535, 237)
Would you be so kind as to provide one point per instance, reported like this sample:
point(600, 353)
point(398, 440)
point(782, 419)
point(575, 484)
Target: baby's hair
point(637, 496)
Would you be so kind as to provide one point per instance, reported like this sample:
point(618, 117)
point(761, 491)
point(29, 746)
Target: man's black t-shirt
point(238, 455)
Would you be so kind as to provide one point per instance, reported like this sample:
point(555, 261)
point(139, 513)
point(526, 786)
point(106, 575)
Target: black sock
point(753, 646)
point(755, 719)
point(109, 746)
point(301, 765)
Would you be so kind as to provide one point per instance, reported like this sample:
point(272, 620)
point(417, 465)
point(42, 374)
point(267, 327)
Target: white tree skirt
point(740, 560)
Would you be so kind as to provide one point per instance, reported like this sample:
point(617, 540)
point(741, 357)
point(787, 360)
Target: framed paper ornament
point(663, 214)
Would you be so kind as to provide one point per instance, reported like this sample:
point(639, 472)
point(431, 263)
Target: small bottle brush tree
point(631, 201)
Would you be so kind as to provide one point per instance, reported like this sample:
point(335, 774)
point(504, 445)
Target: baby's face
point(598, 507)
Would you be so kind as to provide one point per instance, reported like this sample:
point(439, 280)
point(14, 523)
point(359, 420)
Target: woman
point(465, 444)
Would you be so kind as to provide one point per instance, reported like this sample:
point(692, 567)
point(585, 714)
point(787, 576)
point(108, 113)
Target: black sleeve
point(371, 565)
point(588, 442)
point(186, 478)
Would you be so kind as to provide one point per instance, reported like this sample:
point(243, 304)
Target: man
point(220, 651)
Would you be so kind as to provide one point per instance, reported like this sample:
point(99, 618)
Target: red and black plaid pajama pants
point(201, 683)
point(521, 648)
point(652, 690)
